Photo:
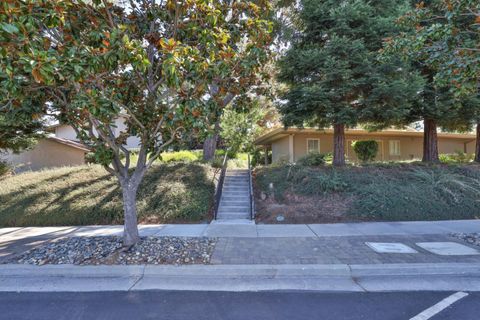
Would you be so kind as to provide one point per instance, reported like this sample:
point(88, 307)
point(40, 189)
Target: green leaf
point(10, 28)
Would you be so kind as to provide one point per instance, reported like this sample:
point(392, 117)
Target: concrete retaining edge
point(339, 277)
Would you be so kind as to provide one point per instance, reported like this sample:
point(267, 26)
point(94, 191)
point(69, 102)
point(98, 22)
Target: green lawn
point(176, 192)
point(381, 192)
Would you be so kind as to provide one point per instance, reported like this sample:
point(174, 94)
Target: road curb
point(339, 277)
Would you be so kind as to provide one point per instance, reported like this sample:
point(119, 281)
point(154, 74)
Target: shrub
point(5, 168)
point(365, 150)
point(258, 157)
point(328, 157)
point(232, 154)
point(312, 159)
point(181, 156)
point(90, 158)
point(458, 157)
point(100, 158)
point(380, 192)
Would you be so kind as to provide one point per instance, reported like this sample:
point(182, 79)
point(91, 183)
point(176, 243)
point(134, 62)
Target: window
point(313, 145)
point(394, 147)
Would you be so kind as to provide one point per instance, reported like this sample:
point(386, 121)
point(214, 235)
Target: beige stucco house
point(47, 153)
point(61, 148)
point(293, 143)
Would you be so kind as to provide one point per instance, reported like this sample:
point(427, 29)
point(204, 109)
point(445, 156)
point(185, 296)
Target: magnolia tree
point(161, 64)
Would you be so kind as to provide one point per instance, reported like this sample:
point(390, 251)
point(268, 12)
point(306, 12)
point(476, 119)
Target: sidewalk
point(254, 230)
point(269, 257)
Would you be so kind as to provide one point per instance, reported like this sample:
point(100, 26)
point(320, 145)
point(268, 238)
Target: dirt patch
point(329, 208)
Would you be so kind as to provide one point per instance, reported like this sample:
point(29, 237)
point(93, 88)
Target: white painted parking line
point(445, 303)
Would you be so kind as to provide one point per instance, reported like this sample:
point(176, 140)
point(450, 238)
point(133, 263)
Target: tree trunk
point(477, 144)
point(130, 231)
point(430, 141)
point(338, 145)
point(209, 147)
point(210, 144)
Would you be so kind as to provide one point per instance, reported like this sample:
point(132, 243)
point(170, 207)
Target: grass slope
point(380, 192)
point(178, 192)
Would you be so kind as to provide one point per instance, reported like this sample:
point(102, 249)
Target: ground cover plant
point(85, 195)
point(380, 192)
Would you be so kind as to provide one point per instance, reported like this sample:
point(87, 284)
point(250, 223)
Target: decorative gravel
point(470, 238)
point(109, 250)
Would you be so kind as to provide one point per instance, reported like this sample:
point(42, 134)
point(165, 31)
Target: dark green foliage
point(438, 41)
point(312, 159)
point(4, 168)
point(301, 179)
point(331, 68)
point(366, 150)
point(458, 157)
point(258, 157)
point(385, 192)
point(18, 131)
point(332, 71)
point(88, 195)
point(428, 193)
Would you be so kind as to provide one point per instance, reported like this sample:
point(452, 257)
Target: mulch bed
point(109, 251)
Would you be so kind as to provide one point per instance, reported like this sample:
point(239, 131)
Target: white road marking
point(445, 303)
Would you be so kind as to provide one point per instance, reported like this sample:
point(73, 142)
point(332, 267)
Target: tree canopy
point(164, 65)
point(440, 39)
point(332, 71)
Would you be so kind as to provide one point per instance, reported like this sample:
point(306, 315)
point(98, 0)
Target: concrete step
point(235, 197)
point(237, 171)
point(232, 216)
point(240, 183)
point(239, 190)
point(227, 207)
point(246, 190)
point(246, 221)
point(235, 183)
point(235, 203)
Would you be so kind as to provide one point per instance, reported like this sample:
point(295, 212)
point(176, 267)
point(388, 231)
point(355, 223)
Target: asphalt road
point(173, 305)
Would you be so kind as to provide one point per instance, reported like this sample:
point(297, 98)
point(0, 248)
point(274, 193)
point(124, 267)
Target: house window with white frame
point(394, 147)
point(313, 145)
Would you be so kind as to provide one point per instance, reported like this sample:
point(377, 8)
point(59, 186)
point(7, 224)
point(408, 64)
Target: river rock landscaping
point(109, 250)
point(470, 238)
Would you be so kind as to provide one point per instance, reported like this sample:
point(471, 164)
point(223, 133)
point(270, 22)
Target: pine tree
point(332, 71)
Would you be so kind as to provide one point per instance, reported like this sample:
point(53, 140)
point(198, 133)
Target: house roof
point(278, 133)
point(69, 143)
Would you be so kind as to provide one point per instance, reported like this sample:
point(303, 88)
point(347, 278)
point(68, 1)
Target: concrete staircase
point(235, 201)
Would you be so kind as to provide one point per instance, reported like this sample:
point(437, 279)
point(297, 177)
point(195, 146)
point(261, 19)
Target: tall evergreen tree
point(333, 76)
point(441, 41)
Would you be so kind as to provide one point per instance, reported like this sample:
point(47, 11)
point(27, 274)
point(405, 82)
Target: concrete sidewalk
point(276, 244)
point(254, 230)
point(325, 257)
